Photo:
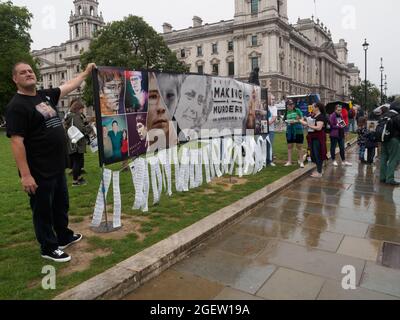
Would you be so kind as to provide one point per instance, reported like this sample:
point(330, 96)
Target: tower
point(246, 10)
point(85, 21)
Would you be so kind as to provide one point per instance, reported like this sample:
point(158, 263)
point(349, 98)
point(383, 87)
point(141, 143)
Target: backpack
point(385, 129)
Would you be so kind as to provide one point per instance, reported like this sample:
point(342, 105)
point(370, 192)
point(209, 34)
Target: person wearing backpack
point(388, 132)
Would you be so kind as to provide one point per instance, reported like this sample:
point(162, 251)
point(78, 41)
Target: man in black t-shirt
point(38, 143)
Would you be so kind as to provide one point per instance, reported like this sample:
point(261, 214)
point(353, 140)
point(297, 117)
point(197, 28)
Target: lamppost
point(382, 69)
point(386, 87)
point(365, 46)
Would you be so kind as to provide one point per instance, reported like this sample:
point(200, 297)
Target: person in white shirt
point(272, 117)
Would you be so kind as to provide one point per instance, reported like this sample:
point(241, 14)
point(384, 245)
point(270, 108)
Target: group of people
point(318, 124)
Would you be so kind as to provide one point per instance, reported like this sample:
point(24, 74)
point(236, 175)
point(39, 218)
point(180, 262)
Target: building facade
point(293, 59)
point(61, 63)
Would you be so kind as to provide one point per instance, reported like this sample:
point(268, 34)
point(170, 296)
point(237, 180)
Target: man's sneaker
point(288, 164)
point(79, 183)
point(347, 164)
point(57, 256)
point(335, 164)
point(272, 164)
point(76, 238)
point(301, 164)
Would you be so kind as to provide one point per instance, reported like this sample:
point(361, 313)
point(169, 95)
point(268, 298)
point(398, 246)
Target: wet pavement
point(296, 246)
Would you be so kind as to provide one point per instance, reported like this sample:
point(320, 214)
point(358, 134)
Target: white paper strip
point(117, 201)
point(99, 207)
point(206, 161)
point(137, 171)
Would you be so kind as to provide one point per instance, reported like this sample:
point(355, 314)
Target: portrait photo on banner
point(253, 105)
point(194, 106)
point(111, 87)
point(161, 131)
point(115, 139)
point(137, 134)
point(136, 91)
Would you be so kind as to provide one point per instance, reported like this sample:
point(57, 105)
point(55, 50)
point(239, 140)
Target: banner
point(144, 111)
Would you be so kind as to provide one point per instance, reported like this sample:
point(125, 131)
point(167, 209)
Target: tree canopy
point(15, 23)
point(130, 43)
point(373, 95)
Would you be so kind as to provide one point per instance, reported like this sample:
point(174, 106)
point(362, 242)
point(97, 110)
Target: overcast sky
point(352, 20)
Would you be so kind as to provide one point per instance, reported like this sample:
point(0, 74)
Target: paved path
point(296, 246)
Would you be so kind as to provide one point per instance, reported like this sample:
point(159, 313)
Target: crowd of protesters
point(337, 126)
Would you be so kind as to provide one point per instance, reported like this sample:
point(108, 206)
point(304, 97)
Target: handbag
point(74, 133)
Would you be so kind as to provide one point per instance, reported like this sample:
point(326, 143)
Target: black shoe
point(83, 171)
point(57, 256)
point(76, 238)
point(81, 182)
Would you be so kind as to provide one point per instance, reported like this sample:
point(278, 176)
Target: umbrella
point(330, 107)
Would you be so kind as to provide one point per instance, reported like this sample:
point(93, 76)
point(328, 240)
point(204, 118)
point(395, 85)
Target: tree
point(130, 43)
point(15, 40)
point(373, 95)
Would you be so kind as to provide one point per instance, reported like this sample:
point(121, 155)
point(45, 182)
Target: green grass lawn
point(20, 261)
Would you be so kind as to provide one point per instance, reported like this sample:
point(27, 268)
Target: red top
point(345, 116)
point(124, 147)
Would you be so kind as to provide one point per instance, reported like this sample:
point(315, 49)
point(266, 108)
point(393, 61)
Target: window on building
point(77, 68)
point(230, 45)
point(254, 41)
point(254, 63)
point(215, 69)
point(231, 68)
point(92, 11)
point(199, 51)
point(214, 48)
point(60, 56)
point(200, 69)
point(80, 10)
point(280, 42)
point(76, 30)
point(183, 53)
point(62, 75)
point(50, 77)
point(254, 6)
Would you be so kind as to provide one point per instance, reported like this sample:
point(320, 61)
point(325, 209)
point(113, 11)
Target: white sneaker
point(288, 164)
point(347, 164)
point(335, 164)
point(301, 164)
point(272, 164)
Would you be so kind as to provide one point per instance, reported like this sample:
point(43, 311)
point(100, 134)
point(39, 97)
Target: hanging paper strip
point(206, 161)
point(117, 201)
point(155, 179)
point(101, 195)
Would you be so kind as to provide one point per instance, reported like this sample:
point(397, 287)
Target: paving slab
point(365, 249)
point(174, 285)
point(286, 284)
point(333, 290)
point(381, 279)
point(238, 272)
point(316, 262)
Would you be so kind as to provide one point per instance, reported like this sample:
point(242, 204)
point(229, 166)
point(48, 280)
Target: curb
point(128, 275)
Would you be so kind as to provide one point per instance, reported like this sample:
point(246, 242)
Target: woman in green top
point(294, 132)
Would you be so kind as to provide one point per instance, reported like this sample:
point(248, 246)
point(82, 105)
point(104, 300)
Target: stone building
point(293, 59)
point(61, 63)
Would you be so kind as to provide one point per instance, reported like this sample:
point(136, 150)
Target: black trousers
point(77, 164)
point(315, 153)
point(50, 206)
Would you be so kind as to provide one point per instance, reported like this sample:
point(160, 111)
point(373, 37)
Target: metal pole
point(365, 88)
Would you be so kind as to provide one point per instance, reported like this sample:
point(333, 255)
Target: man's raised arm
point(75, 83)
